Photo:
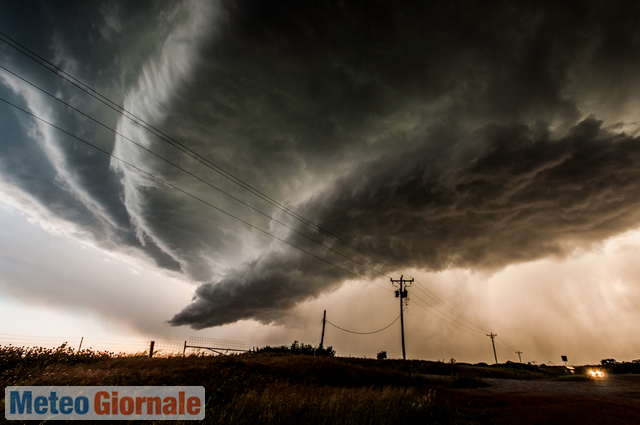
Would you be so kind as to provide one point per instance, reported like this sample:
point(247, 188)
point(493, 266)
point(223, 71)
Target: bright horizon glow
point(492, 294)
point(507, 182)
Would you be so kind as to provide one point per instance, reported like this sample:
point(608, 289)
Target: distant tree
point(299, 348)
point(453, 361)
point(382, 355)
point(608, 362)
point(325, 352)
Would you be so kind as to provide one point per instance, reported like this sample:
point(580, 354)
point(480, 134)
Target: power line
point(190, 194)
point(504, 343)
point(451, 320)
point(364, 333)
point(191, 174)
point(426, 291)
point(446, 321)
point(139, 121)
point(442, 303)
point(176, 144)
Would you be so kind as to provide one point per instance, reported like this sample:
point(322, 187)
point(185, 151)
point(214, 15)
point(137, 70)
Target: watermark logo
point(104, 403)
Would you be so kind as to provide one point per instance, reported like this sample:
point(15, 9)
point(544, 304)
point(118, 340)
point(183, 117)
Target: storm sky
point(257, 162)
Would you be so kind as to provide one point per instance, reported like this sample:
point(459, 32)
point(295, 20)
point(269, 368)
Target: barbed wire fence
point(195, 345)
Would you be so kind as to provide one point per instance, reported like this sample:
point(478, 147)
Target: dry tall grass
point(253, 388)
point(290, 404)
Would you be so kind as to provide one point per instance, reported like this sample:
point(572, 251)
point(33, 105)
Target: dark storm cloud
point(262, 290)
point(509, 194)
point(295, 87)
point(414, 130)
point(284, 88)
point(291, 96)
point(69, 179)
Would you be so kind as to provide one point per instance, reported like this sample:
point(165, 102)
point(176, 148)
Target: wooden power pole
point(492, 336)
point(324, 321)
point(402, 294)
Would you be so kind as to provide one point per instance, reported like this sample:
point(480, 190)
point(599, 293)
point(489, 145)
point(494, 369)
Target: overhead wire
point(190, 173)
point(190, 194)
point(504, 343)
point(442, 303)
point(506, 347)
point(447, 319)
point(176, 144)
point(139, 121)
point(364, 333)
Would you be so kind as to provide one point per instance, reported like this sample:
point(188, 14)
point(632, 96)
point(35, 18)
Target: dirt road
point(614, 400)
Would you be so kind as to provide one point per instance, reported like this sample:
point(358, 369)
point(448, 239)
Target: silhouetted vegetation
point(281, 385)
point(298, 348)
point(613, 366)
point(250, 388)
point(11, 357)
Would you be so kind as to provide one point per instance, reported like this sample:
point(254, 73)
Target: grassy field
point(271, 388)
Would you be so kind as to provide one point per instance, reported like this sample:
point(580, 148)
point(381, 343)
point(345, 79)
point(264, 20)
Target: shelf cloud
point(430, 136)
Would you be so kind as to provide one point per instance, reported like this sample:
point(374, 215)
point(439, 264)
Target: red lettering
point(181, 402)
point(111, 404)
point(170, 407)
point(139, 402)
point(114, 402)
point(126, 405)
point(193, 405)
point(151, 402)
point(101, 408)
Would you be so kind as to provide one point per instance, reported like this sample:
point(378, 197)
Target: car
point(596, 373)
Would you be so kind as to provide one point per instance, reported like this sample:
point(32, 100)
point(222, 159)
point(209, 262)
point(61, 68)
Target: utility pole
point(492, 335)
point(518, 353)
point(324, 320)
point(402, 294)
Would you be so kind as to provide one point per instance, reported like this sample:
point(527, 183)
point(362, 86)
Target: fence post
point(151, 349)
point(184, 350)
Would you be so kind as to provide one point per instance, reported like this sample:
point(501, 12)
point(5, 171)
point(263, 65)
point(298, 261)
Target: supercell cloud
point(510, 194)
point(429, 135)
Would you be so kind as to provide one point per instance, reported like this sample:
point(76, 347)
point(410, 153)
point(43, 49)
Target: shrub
point(301, 349)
